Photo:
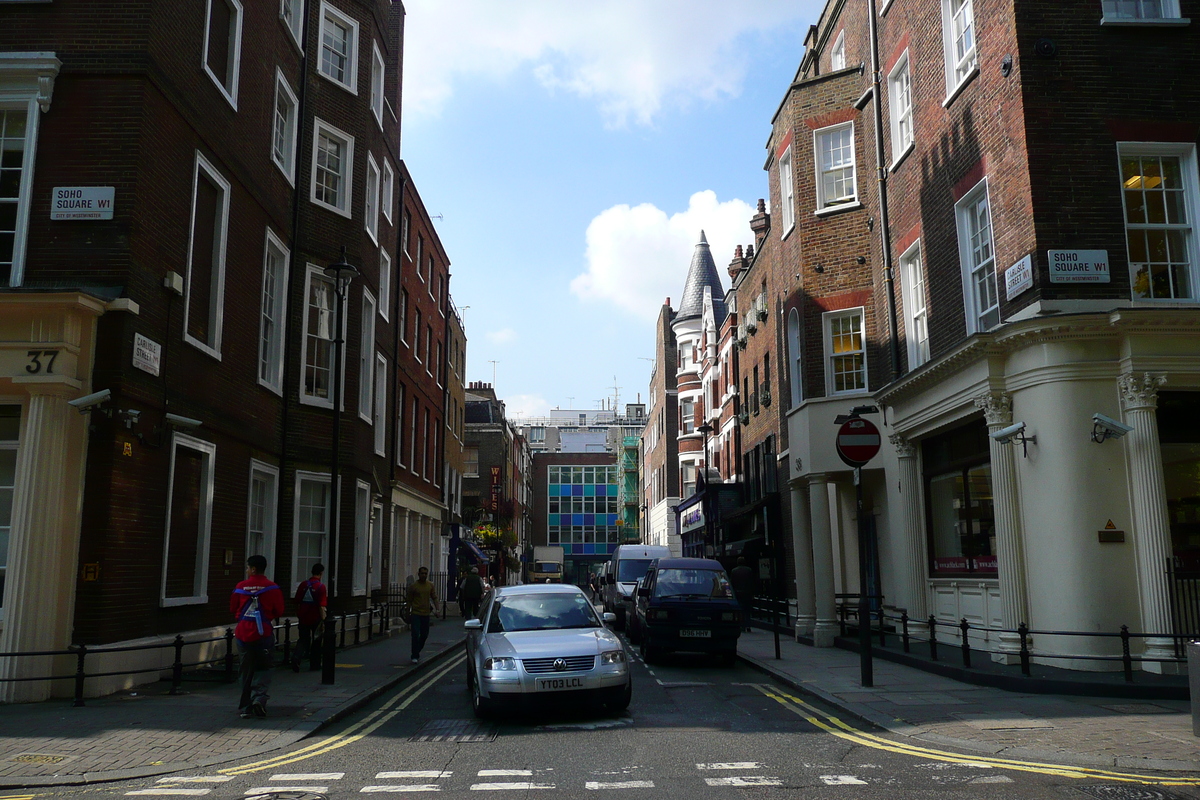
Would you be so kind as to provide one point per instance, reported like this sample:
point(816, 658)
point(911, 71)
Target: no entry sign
point(857, 442)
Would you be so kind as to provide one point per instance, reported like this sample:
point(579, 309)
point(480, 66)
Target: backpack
point(308, 597)
point(250, 609)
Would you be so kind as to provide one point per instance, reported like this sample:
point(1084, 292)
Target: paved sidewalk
point(1080, 731)
point(150, 732)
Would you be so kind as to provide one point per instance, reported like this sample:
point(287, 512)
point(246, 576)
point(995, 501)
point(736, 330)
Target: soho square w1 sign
point(1078, 266)
point(82, 202)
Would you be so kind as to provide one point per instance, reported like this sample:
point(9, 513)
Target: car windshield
point(692, 583)
point(547, 566)
point(628, 570)
point(539, 612)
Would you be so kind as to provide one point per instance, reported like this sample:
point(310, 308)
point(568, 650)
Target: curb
point(909, 731)
point(288, 737)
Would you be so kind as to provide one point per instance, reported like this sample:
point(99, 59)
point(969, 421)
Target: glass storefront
point(960, 519)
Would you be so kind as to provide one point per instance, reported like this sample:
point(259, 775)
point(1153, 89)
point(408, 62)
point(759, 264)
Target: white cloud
point(630, 56)
point(502, 336)
point(526, 405)
point(638, 256)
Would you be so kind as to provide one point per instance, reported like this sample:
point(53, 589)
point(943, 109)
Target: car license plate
point(550, 684)
point(694, 634)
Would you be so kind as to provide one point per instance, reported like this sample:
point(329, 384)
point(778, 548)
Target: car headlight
point(658, 614)
point(500, 664)
point(613, 657)
point(729, 616)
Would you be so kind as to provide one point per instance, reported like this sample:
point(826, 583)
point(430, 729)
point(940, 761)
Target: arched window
point(795, 358)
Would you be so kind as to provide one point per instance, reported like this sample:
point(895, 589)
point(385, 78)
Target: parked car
point(629, 562)
point(687, 604)
point(544, 641)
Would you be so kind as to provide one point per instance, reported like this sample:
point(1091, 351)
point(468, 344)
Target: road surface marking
point(842, 780)
point(835, 727)
point(269, 789)
point(749, 780)
point(359, 730)
point(498, 773)
point(992, 779)
point(500, 787)
point(414, 773)
point(308, 776)
point(416, 787)
point(732, 765)
point(197, 779)
point(165, 791)
point(619, 785)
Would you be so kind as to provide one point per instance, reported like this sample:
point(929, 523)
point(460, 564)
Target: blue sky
point(574, 152)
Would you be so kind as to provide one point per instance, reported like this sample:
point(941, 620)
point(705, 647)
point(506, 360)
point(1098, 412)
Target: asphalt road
point(695, 730)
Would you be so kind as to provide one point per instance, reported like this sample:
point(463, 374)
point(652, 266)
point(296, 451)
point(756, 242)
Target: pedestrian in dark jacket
point(256, 603)
point(312, 601)
point(743, 580)
point(470, 592)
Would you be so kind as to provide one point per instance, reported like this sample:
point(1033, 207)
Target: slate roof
point(702, 273)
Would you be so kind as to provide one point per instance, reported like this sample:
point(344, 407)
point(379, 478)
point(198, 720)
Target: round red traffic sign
point(857, 441)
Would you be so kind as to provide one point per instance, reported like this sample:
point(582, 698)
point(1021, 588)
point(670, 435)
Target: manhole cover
point(459, 731)
point(41, 758)
point(287, 796)
point(1122, 792)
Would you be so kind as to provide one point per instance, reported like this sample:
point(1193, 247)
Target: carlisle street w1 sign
point(857, 441)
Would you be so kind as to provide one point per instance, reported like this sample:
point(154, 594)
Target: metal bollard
point(342, 643)
point(932, 638)
point(904, 628)
point(881, 622)
point(79, 675)
point(287, 641)
point(966, 643)
point(177, 667)
point(327, 650)
point(1126, 658)
point(1193, 661)
point(1023, 631)
point(229, 654)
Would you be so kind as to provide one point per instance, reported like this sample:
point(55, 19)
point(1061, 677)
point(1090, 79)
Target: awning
point(474, 553)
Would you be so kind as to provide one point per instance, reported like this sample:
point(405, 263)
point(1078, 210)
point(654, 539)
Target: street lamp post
point(342, 274)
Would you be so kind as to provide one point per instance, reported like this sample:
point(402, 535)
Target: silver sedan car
point(544, 641)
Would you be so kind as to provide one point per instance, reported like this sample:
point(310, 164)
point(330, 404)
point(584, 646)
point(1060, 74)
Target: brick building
point(660, 445)
point(997, 278)
point(171, 198)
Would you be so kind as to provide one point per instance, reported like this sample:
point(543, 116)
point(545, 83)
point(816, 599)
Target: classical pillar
point(802, 548)
point(1151, 527)
point(826, 627)
point(43, 544)
point(911, 557)
point(1006, 505)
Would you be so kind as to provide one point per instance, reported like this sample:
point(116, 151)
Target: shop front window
point(1179, 434)
point(958, 499)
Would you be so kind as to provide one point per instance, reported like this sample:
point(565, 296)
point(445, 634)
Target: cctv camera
point(86, 402)
point(1006, 435)
point(1107, 428)
point(182, 422)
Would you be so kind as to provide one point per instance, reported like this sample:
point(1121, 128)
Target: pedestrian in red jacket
point(256, 603)
point(311, 598)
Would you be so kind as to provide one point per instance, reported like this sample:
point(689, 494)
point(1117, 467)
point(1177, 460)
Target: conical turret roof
point(702, 274)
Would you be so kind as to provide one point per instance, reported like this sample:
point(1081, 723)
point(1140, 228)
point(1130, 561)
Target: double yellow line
point(362, 728)
point(835, 727)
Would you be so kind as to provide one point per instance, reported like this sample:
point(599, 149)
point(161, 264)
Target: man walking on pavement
point(256, 603)
point(470, 592)
point(742, 578)
point(312, 600)
point(422, 601)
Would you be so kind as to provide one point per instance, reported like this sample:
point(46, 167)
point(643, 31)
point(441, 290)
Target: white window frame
point(204, 522)
point(270, 346)
point(362, 536)
point(915, 296)
point(377, 81)
point(385, 284)
point(329, 14)
point(312, 271)
point(958, 70)
point(837, 53)
point(380, 406)
point(366, 360)
point(347, 173)
point(900, 108)
point(1186, 153)
point(270, 522)
point(286, 163)
point(827, 334)
point(387, 191)
point(973, 309)
point(1168, 14)
point(824, 204)
point(795, 358)
point(217, 294)
point(371, 200)
point(296, 26)
point(331, 507)
point(787, 192)
point(230, 93)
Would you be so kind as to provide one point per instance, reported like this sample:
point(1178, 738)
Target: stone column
point(912, 555)
point(1006, 504)
point(802, 548)
point(1151, 526)
point(826, 627)
point(43, 543)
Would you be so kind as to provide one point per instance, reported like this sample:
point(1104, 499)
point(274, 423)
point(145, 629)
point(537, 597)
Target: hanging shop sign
point(692, 519)
point(82, 202)
point(1078, 266)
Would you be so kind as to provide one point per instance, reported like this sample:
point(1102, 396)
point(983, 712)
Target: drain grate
point(1105, 791)
point(458, 731)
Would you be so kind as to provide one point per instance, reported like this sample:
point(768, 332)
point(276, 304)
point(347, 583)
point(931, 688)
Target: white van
point(629, 562)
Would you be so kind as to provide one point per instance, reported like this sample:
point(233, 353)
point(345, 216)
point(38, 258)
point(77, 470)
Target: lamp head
point(342, 271)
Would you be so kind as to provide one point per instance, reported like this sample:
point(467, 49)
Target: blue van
point(687, 604)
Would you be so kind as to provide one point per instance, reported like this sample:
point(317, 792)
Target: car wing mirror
point(643, 592)
point(609, 617)
point(473, 625)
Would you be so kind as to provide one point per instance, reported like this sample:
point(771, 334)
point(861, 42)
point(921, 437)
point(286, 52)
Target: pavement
point(151, 732)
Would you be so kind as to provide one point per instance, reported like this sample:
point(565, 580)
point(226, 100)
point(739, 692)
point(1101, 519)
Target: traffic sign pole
point(857, 443)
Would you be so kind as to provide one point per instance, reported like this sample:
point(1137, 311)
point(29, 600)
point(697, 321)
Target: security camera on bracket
point(1104, 428)
point(1012, 434)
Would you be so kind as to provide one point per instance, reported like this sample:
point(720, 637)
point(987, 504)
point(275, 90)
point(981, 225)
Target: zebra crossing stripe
point(414, 773)
point(269, 789)
point(749, 780)
point(619, 785)
point(500, 787)
point(308, 776)
point(165, 791)
point(413, 787)
point(196, 779)
point(732, 765)
point(499, 773)
point(842, 780)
